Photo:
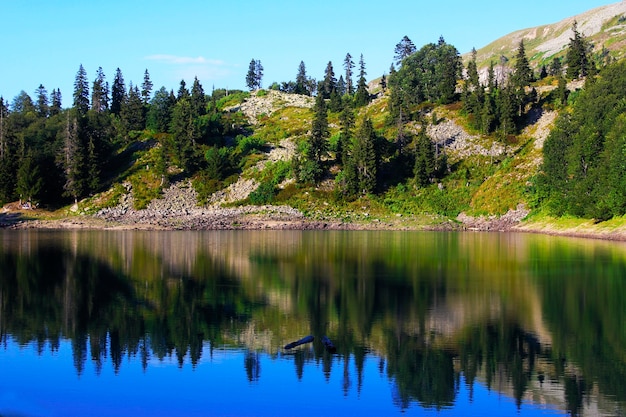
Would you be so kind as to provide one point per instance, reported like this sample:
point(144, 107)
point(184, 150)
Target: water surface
point(194, 323)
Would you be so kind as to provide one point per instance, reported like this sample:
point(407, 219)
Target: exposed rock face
point(272, 100)
point(495, 223)
point(450, 135)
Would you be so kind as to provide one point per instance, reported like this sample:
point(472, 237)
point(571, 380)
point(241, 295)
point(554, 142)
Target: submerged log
point(328, 345)
point(306, 339)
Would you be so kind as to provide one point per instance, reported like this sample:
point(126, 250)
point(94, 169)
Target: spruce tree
point(146, 87)
point(198, 98)
point(348, 65)
point(302, 81)
point(42, 104)
point(81, 92)
point(100, 93)
point(318, 143)
point(365, 158)
point(56, 105)
point(132, 113)
point(118, 92)
point(523, 74)
point(329, 83)
point(362, 96)
point(472, 71)
point(578, 61)
point(424, 160)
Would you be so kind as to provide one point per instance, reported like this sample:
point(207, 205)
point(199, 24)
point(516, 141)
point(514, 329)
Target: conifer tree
point(198, 98)
point(146, 87)
point(318, 144)
point(577, 57)
point(364, 158)
point(472, 71)
point(118, 92)
point(42, 105)
point(341, 86)
point(424, 160)
point(160, 112)
point(348, 65)
point(523, 74)
point(100, 93)
point(56, 105)
point(329, 83)
point(302, 81)
point(362, 96)
point(29, 180)
point(81, 92)
point(183, 92)
point(403, 49)
point(73, 159)
point(132, 113)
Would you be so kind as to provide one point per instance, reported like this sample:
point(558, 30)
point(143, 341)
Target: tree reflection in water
point(433, 311)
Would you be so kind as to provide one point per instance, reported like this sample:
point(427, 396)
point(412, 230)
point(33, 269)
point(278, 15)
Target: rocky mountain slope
point(604, 27)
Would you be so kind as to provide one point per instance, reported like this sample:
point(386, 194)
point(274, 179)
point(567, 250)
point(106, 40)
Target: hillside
point(604, 27)
point(246, 170)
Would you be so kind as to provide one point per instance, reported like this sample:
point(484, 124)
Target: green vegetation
point(351, 150)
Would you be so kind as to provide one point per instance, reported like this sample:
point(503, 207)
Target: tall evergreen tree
point(118, 92)
point(329, 83)
point(73, 159)
point(364, 158)
point(404, 49)
point(472, 71)
point(43, 108)
point(56, 105)
point(132, 112)
point(258, 74)
point(29, 180)
point(183, 92)
point(424, 160)
point(302, 81)
point(362, 96)
point(81, 92)
point(184, 133)
point(318, 143)
point(577, 57)
point(348, 65)
point(523, 74)
point(100, 93)
point(146, 87)
point(198, 98)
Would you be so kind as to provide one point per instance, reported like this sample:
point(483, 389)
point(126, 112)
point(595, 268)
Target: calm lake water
point(105, 323)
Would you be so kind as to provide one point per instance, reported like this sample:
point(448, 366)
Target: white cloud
point(184, 60)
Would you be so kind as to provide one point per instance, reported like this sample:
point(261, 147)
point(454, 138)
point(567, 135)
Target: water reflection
point(535, 318)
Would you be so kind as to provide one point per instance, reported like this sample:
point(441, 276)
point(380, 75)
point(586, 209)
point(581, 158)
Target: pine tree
point(364, 158)
point(183, 92)
point(251, 76)
point(383, 83)
point(258, 74)
point(81, 92)
point(198, 98)
point(183, 130)
point(424, 160)
point(29, 180)
point(556, 67)
point(73, 159)
point(579, 62)
point(403, 49)
point(362, 96)
point(472, 71)
point(56, 106)
point(42, 106)
point(100, 93)
point(132, 113)
point(146, 88)
point(118, 93)
point(318, 144)
point(523, 74)
point(348, 65)
point(302, 81)
point(329, 83)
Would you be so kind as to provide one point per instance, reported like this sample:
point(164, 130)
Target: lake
point(138, 323)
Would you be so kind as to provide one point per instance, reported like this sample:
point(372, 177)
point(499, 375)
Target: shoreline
point(263, 218)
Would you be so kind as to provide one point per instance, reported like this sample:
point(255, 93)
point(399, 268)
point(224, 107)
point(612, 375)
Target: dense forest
point(51, 155)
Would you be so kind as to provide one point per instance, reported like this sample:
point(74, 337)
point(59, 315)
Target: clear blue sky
point(45, 41)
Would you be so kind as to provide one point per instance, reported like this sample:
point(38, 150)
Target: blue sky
point(45, 41)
